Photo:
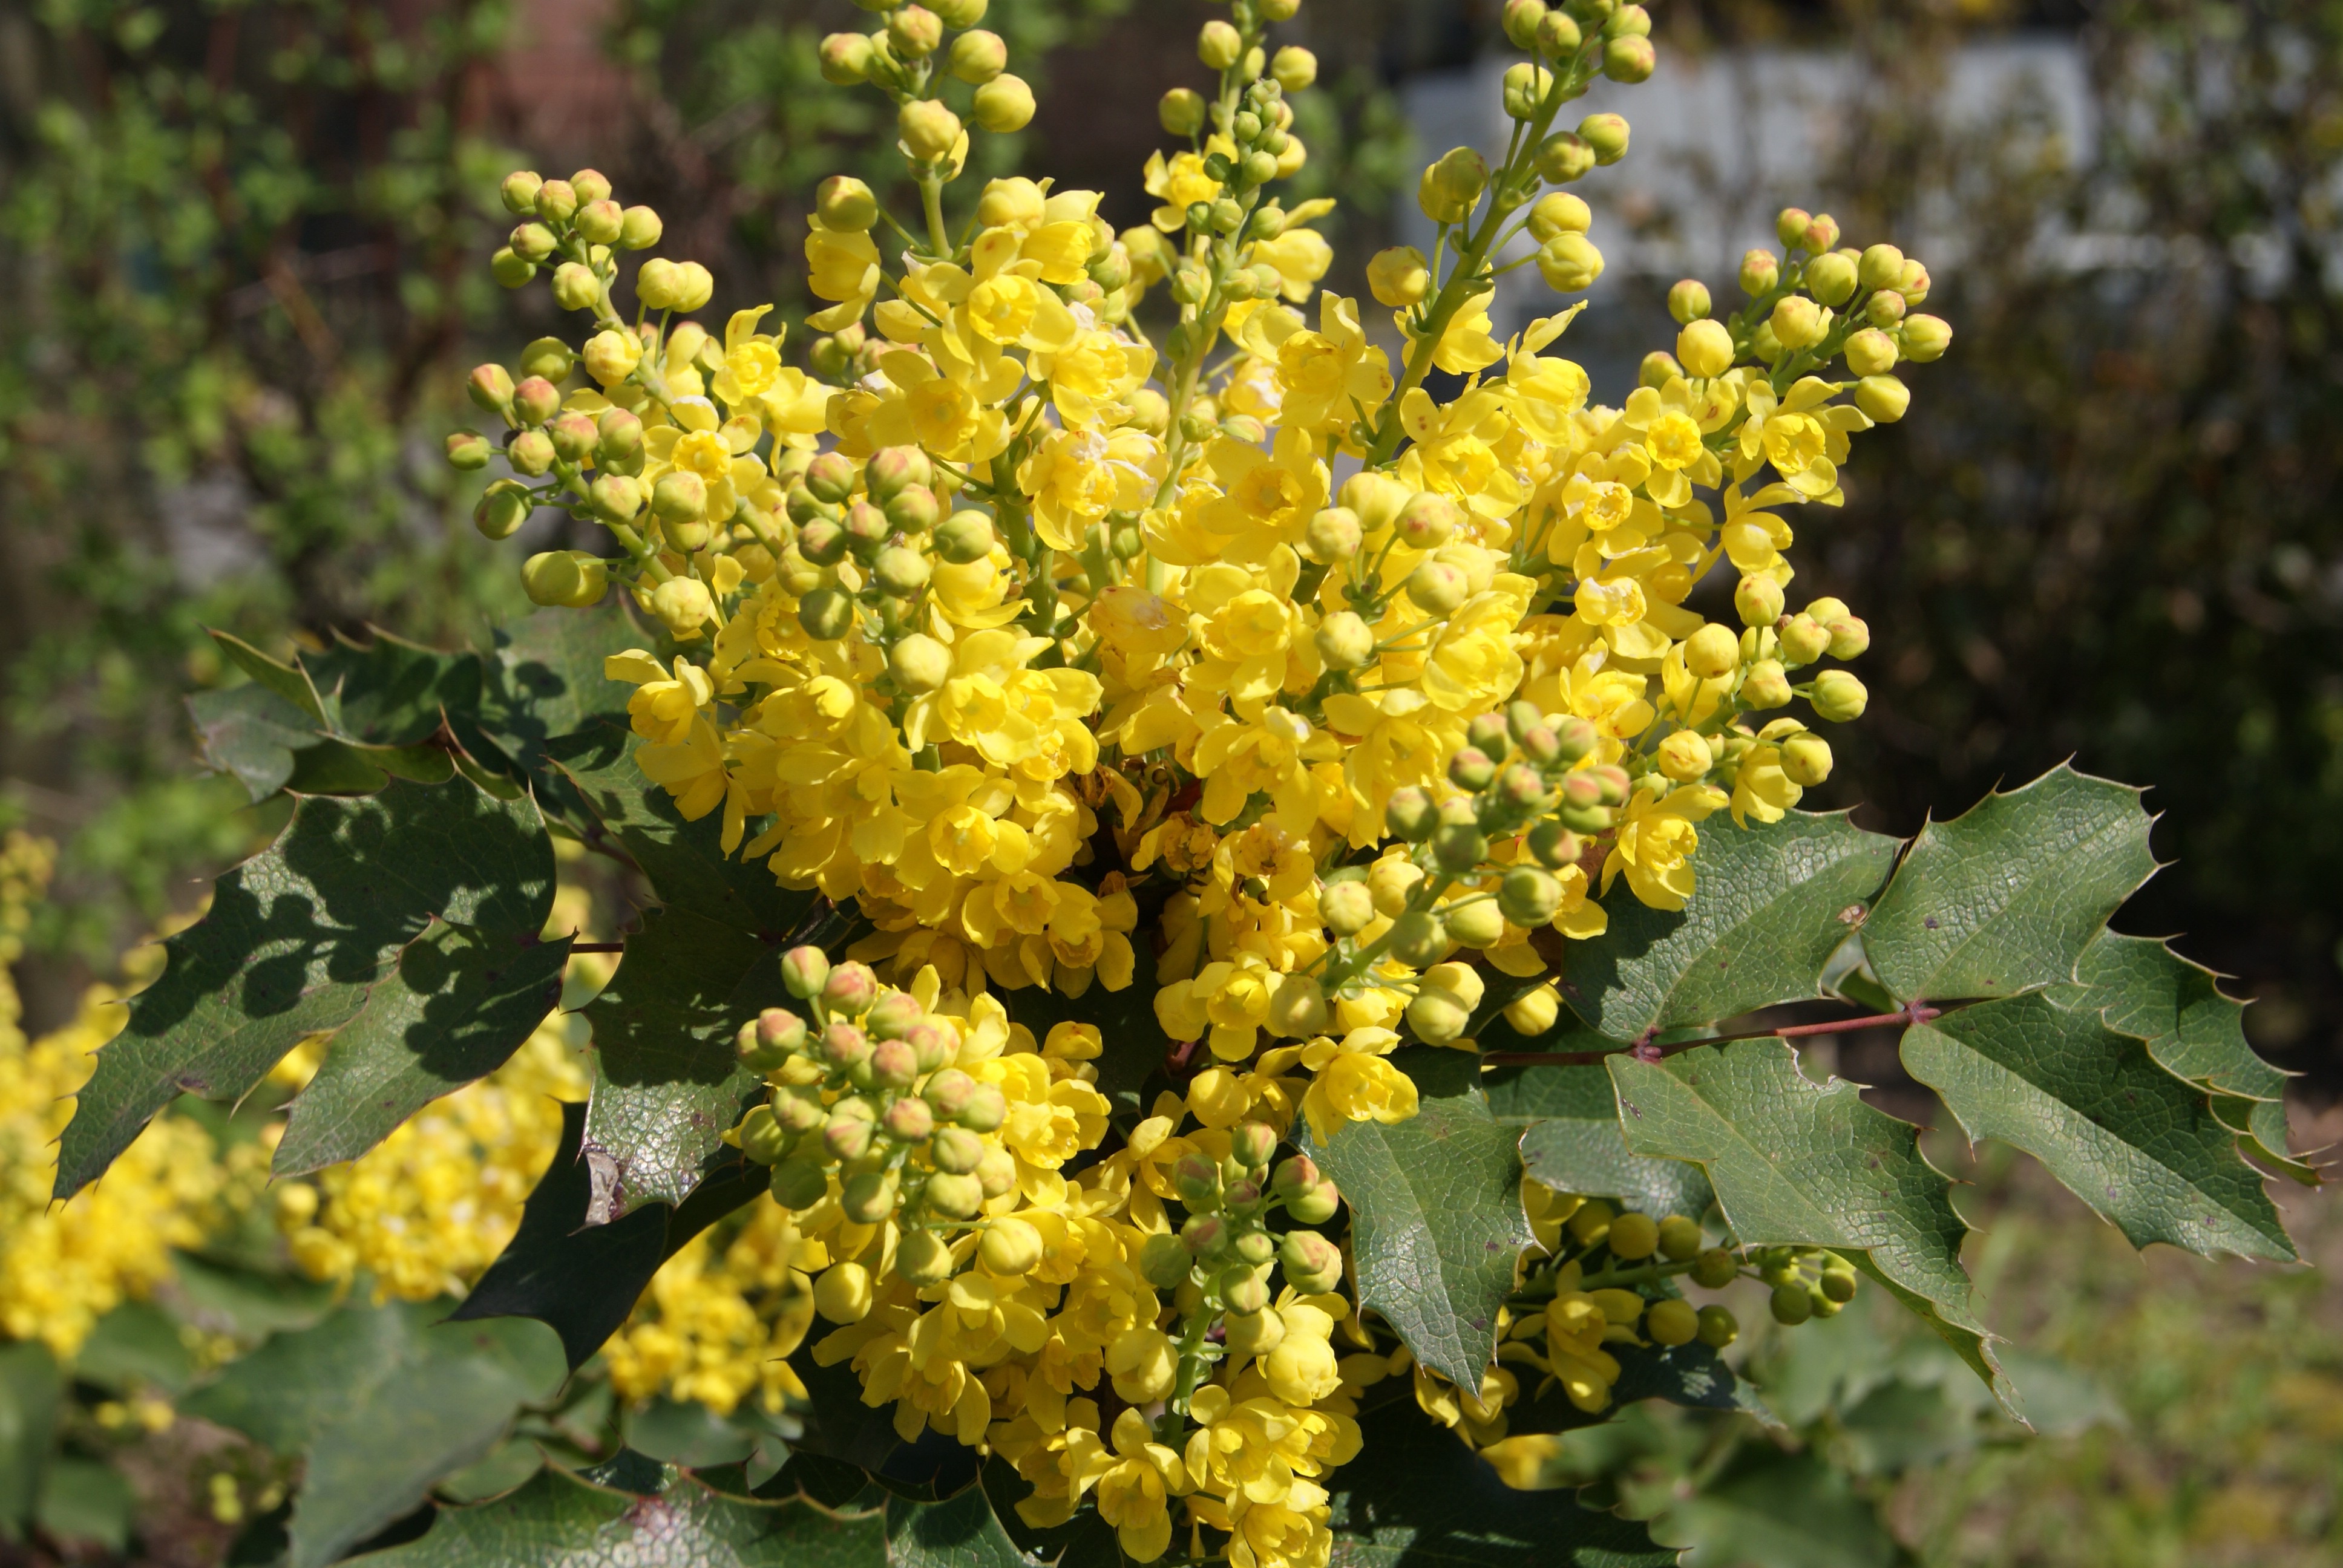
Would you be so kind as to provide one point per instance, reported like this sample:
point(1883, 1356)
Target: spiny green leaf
point(2133, 1143)
point(294, 939)
point(561, 1518)
point(1798, 1163)
point(252, 734)
point(1774, 902)
point(1416, 1497)
point(544, 679)
point(669, 1084)
point(379, 1404)
point(1571, 1141)
point(582, 1280)
point(392, 692)
point(1436, 1219)
point(2008, 896)
point(456, 1007)
point(289, 682)
point(960, 1531)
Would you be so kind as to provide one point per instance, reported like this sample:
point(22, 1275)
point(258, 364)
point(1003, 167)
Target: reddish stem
point(1646, 1049)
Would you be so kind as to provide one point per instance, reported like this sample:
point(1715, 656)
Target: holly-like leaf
point(1416, 1496)
point(392, 692)
point(1798, 1163)
point(1571, 1139)
point(294, 939)
point(2129, 1139)
point(1436, 1219)
point(960, 1532)
point(668, 1084)
point(251, 733)
point(1774, 902)
point(582, 1280)
point(563, 1518)
point(544, 679)
point(379, 1404)
point(2193, 1031)
point(456, 1008)
point(2008, 896)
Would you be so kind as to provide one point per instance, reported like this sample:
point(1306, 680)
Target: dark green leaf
point(1572, 1143)
point(381, 1405)
point(2008, 896)
point(456, 1008)
point(252, 734)
point(248, 1302)
point(1776, 1509)
point(1798, 1163)
point(86, 1500)
point(294, 939)
point(289, 682)
point(1436, 1219)
point(2130, 1139)
point(561, 1518)
point(30, 1387)
point(960, 1531)
point(582, 1280)
point(508, 1465)
point(1774, 902)
point(137, 1346)
point(390, 692)
point(335, 767)
point(1416, 1497)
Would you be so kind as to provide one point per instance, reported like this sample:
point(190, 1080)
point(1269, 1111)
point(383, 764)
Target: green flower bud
point(556, 202)
point(1926, 338)
point(1634, 1237)
point(1437, 588)
point(1004, 105)
point(1806, 760)
point(1164, 1261)
point(1882, 266)
point(1437, 1017)
point(681, 496)
point(1758, 602)
point(639, 228)
point(575, 438)
point(1461, 175)
point(502, 511)
point(1822, 235)
point(1688, 301)
point(1796, 322)
point(510, 268)
point(1219, 45)
point(978, 58)
point(928, 130)
point(763, 1139)
point(1475, 925)
point(1524, 89)
point(1715, 1268)
point(769, 1038)
point(518, 191)
point(1658, 369)
point(1410, 815)
point(845, 58)
point(617, 498)
point(1830, 278)
point(535, 401)
point(1243, 1293)
point(1293, 68)
point(900, 573)
point(1766, 685)
point(620, 435)
point(1347, 907)
point(804, 970)
point(1850, 636)
point(986, 1108)
point(1317, 1205)
point(1181, 112)
point(570, 579)
point(914, 32)
point(1760, 271)
point(1679, 1237)
point(1427, 521)
point(1521, 23)
point(799, 1183)
point(491, 387)
point(1791, 1306)
point(1883, 397)
point(469, 450)
point(1672, 1323)
point(1418, 940)
point(1630, 59)
point(1870, 352)
point(1569, 263)
point(867, 530)
point(869, 1198)
point(1607, 134)
point(1555, 845)
point(1839, 696)
point(1558, 212)
point(919, 663)
point(601, 222)
point(1884, 310)
point(1529, 896)
point(591, 185)
point(1559, 35)
point(844, 205)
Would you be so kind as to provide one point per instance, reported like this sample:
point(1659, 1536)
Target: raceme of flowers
point(1026, 613)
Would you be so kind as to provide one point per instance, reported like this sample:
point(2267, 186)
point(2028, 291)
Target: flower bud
point(601, 222)
point(1926, 338)
point(1529, 896)
point(1569, 263)
point(617, 498)
point(1565, 157)
point(518, 191)
point(510, 268)
point(799, 1183)
point(1711, 651)
point(575, 438)
point(1163, 1260)
point(1821, 234)
point(1436, 588)
point(964, 537)
point(1410, 815)
point(1704, 347)
point(535, 401)
point(769, 1038)
point(1791, 1306)
point(1294, 1175)
point(763, 1139)
point(1418, 938)
point(1882, 266)
point(1437, 1017)
point(1427, 521)
point(1766, 685)
point(919, 663)
point(1204, 1235)
point(1524, 88)
point(570, 579)
point(1628, 22)
point(1685, 756)
point(1883, 397)
point(639, 228)
point(831, 477)
point(1830, 278)
point(1461, 175)
point(1870, 352)
point(491, 387)
point(845, 1138)
point(469, 450)
point(1913, 284)
point(1884, 310)
point(1398, 276)
point(1219, 45)
point(928, 130)
point(913, 32)
point(986, 1108)
point(1293, 68)
point(1252, 1143)
point(1535, 1012)
point(683, 605)
point(868, 1197)
point(1606, 134)
point(679, 496)
point(1011, 1247)
point(921, 1258)
point(556, 201)
point(805, 970)
point(1558, 212)
point(1839, 696)
point(1850, 636)
point(979, 57)
point(500, 513)
point(1555, 845)
point(1521, 23)
point(1181, 112)
point(1658, 370)
point(845, 58)
point(1806, 758)
point(1630, 59)
point(907, 1120)
point(1758, 602)
point(1790, 226)
point(1005, 103)
point(899, 572)
point(1634, 1237)
point(1347, 907)
point(1688, 301)
point(1796, 322)
point(849, 987)
point(1804, 640)
point(611, 355)
point(844, 205)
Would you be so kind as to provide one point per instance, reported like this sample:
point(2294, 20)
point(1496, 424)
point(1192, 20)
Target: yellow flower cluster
point(424, 1211)
point(64, 1266)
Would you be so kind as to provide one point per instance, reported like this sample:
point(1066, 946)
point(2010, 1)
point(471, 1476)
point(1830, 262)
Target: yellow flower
point(1655, 843)
point(1178, 184)
point(844, 268)
point(1355, 1084)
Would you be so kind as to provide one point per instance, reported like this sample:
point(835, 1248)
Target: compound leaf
point(252, 734)
point(2008, 896)
point(456, 1007)
point(562, 1518)
point(1797, 1163)
point(294, 939)
point(392, 692)
point(1436, 1219)
point(1774, 902)
point(2129, 1139)
point(380, 1403)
